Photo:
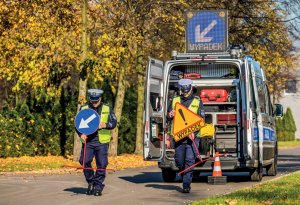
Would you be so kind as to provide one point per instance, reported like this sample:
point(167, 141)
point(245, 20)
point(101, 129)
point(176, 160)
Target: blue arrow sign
point(87, 121)
point(206, 31)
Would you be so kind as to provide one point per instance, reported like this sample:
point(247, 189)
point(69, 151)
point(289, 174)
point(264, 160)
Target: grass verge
point(282, 191)
point(283, 144)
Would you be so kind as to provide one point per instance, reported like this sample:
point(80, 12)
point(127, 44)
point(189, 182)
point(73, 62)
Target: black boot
point(90, 190)
point(97, 193)
point(186, 190)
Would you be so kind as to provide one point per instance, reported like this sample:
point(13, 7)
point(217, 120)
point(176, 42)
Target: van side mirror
point(278, 110)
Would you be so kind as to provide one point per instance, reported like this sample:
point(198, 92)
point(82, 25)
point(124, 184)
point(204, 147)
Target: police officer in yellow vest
point(185, 152)
point(97, 143)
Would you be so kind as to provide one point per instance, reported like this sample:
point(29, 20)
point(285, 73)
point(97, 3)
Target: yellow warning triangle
point(185, 122)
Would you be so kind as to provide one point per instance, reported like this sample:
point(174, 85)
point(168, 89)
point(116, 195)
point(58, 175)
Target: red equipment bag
point(226, 119)
point(214, 95)
point(192, 75)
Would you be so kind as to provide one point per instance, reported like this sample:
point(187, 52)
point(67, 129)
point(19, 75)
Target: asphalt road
point(132, 186)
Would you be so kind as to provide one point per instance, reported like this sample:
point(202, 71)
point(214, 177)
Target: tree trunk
point(113, 146)
point(3, 92)
point(83, 77)
point(140, 108)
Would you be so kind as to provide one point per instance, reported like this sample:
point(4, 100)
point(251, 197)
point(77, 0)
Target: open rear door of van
point(154, 113)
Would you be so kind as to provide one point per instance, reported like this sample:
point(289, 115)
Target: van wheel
point(272, 168)
point(256, 174)
point(168, 175)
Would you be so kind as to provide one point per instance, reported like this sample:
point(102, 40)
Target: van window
point(290, 87)
point(261, 94)
point(269, 103)
point(155, 95)
point(252, 98)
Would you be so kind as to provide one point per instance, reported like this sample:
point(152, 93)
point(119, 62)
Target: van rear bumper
point(227, 164)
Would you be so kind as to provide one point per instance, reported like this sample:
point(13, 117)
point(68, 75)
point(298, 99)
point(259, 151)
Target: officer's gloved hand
point(171, 113)
point(102, 125)
point(84, 137)
point(192, 136)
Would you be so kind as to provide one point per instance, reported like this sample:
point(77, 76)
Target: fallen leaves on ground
point(55, 164)
point(128, 161)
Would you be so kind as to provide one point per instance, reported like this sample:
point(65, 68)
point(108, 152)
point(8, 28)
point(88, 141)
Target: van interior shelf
point(219, 103)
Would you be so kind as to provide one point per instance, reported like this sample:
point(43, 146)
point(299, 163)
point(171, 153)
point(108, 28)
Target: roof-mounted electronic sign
point(206, 31)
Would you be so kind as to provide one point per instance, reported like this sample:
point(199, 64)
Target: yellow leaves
point(128, 161)
point(17, 146)
point(33, 39)
point(57, 162)
point(231, 201)
point(105, 36)
point(8, 78)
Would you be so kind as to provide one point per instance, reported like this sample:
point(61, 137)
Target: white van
point(236, 100)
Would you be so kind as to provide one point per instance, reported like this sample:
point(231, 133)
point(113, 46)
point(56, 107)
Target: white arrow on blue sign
point(206, 31)
point(87, 121)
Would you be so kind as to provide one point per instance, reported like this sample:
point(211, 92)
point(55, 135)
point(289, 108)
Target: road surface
point(128, 187)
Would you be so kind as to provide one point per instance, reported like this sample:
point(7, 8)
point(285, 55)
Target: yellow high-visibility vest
point(104, 135)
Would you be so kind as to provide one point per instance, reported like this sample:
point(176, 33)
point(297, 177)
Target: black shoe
point(97, 193)
point(90, 190)
point(186, 190)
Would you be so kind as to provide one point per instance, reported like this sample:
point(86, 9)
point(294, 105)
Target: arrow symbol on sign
point(200, 36)
point(84, 123)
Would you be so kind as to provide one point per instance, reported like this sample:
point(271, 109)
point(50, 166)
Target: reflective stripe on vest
point(194, 106)
point(104, 135)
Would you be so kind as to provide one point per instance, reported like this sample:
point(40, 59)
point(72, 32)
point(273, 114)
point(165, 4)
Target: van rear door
point(154, 114)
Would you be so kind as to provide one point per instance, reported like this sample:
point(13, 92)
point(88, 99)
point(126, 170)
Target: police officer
point(185, 151)
point(97, 143)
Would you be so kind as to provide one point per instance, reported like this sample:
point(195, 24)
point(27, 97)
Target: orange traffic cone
point(217, 178)
point(217, 172)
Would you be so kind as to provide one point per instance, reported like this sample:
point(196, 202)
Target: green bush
point(127, 128)
point(286, 127)
point(42, 125)
point(35, 127)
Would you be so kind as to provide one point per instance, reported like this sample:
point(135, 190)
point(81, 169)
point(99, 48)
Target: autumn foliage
point(41, 61)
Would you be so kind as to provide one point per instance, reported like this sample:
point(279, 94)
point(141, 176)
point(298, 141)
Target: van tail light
point(226, 119)
point(146, 126)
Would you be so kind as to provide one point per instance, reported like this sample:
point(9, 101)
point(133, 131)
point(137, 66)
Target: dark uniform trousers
point(185, 156)
point(100, 151)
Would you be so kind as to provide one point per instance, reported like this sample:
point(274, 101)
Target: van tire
point(272, 168)
point(256, 174)
point(168, 175)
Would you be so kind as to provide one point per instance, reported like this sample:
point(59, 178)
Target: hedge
point(42, 125)
point(286, 127)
